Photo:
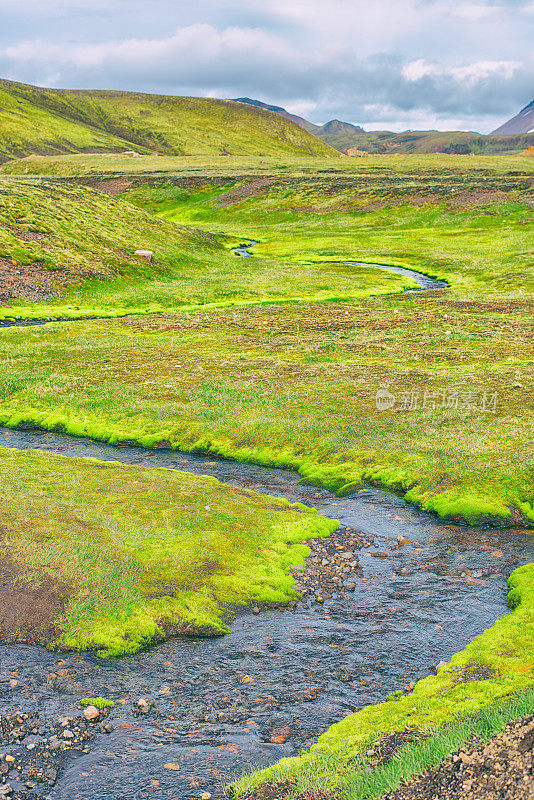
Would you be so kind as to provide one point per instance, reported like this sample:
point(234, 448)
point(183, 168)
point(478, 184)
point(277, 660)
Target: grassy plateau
point(276, 359)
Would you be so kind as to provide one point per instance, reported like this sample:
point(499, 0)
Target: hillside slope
point(451, 142)
point(512, 137)
point(521, 123)
point(49, 121)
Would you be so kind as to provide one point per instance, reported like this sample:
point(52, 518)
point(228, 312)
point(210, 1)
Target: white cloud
point(468, 74)
point(401, 62)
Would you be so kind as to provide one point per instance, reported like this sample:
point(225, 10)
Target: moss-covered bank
point(496, 664)
point(127, 555)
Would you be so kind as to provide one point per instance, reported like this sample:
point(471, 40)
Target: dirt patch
point(384, 750)
point(473, 671)
point(282, 790)
point(27, 615)
point(45, 239)
point(252, 189)
point(28, 281)
point(503, 769)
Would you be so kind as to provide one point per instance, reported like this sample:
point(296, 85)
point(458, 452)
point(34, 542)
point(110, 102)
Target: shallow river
point(310, 667)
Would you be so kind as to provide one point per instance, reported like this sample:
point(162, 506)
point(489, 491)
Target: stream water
point(307, 667)
point(424, 282)
point(310, 666)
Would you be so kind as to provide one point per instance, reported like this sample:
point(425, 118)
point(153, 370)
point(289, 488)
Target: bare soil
point(28, 281)
point(502, 769)
point(27, 614)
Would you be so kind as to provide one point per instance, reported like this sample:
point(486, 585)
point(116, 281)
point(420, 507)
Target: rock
point(402, 540)
point(255, 610)
point(6, 790)
point(145, 706)
point(147, 254)
point(379, 553)
point(68, 735)
point(91, 713)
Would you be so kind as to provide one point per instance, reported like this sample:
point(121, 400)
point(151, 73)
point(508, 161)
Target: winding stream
point(424, 282)
point(310, 667)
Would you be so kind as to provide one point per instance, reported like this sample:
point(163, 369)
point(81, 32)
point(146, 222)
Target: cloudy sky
point(385, 64)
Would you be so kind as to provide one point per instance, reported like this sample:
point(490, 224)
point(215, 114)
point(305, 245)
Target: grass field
point(120, 164)
point(473, 230)
point(87, 242)
point(278, 359)
point(134, 554)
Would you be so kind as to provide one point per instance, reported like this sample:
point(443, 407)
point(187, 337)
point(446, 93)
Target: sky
point(384, 64)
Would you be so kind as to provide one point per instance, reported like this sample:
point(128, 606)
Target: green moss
point(140, 553)
point(98, 702)
point(503, 657)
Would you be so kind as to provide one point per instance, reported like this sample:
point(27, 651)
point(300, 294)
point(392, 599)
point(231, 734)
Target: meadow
point(122, 557)
point(278, 359)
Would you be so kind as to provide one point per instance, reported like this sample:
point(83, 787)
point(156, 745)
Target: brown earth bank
point(502, 769)
point(28, 281)
point(27, 614)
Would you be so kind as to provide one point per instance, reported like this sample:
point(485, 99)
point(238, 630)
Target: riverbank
point(494, 665)
point(285, 674)
point(299, 387)
point(113, 558)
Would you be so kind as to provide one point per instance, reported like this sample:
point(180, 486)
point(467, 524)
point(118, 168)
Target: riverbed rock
point(402, 540)
point(379, 553)
point(91, 713)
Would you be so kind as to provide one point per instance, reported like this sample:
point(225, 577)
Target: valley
point(193, 442)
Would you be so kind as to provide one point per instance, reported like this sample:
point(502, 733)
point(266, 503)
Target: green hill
point(52, 121)
point(451, 142)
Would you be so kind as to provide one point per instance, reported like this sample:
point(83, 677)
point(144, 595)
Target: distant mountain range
point(521, 123)
point(512, 137)
point(334, 127)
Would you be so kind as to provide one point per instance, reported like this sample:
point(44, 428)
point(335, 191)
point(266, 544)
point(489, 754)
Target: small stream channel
point(424, 282)
point(310, 666)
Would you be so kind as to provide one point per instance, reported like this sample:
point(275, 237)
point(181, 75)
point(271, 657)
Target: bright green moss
point(139, 554)
point(504, 657)
point(98, 702)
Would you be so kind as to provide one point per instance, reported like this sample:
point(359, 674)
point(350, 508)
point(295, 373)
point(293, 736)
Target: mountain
point(303, 123)
point(337, 128)
point(453, 142)
point(53, 121)
point(344, 136)
point(521, 123)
